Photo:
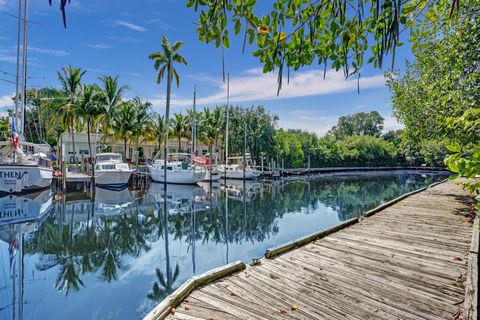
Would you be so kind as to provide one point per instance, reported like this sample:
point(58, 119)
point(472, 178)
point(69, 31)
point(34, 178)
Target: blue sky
point(115, 37)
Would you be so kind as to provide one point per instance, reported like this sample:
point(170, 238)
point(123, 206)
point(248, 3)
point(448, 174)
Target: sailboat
point(180, 170)
point(24, 166)
point(204, 161)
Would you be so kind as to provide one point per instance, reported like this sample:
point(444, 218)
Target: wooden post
point(64, 177)
point(308, 170)
point(283, 167)
point(82, 164)
point(261, 160)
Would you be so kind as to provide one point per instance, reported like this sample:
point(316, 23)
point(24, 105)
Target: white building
point(101, 143)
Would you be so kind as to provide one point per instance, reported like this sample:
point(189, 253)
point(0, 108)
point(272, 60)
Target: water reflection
point(20, 217)
point(120, 252)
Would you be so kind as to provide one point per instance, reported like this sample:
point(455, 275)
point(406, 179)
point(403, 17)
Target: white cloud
point(51, 52)
point(8, 58)
point(4, 4)
point(391, 123)
point(6, 103)
point(98, 45)
point(314, 123)
point(96, 70)
point(254, 85)
point(129, 25)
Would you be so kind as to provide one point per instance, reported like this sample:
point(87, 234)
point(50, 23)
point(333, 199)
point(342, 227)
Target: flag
point(14, 135)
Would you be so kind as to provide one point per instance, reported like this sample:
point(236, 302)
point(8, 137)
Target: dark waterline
point(115, 255)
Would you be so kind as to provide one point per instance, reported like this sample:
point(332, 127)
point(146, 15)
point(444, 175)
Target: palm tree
point(123, 124)
point(71, 80)
point(142, 121)
point(111, 97)
point(89, 110)
point(163, 61)
point(180, 127)
point(218, 113)
point(209, 131)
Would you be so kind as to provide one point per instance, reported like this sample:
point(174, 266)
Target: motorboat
point(24, 168)
point(236, 169)
point(111, 171)
point(180, 170)
point(211, 170)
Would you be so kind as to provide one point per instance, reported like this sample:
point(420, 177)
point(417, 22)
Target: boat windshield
point(108, 157)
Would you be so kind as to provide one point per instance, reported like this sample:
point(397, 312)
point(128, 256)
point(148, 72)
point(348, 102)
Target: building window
point(130, 150)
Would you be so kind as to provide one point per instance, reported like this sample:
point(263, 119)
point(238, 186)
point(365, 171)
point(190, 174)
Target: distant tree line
point(357, 140)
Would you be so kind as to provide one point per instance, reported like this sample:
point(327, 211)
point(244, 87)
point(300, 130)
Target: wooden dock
point(415, 259)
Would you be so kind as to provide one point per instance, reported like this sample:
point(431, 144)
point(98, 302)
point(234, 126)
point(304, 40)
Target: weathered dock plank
point(415, 259)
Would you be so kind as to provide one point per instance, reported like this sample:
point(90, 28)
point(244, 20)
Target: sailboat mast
point(24, 69)
point(194, 115)
point(17, 76)
point(226, 129)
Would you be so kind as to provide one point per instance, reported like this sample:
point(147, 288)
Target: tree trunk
point(167, 114)
point(179, 143)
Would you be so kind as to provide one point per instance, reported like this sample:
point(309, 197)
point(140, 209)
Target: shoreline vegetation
point(356, 140)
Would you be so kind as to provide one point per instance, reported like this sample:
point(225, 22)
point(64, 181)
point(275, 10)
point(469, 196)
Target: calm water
point(117, 254)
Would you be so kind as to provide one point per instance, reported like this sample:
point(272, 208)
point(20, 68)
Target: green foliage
point(366, 150)
point(5, 128)
point(393, 136)
point(260, 126)
point(297, 33)
point(437, 97)
point(289, 148)
point(361, 123)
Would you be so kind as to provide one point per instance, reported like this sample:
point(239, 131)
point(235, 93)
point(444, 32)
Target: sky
point(115, 37)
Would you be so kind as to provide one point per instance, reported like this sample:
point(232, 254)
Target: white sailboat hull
point(181, 177)
point(24, 178)
point(113, 178)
